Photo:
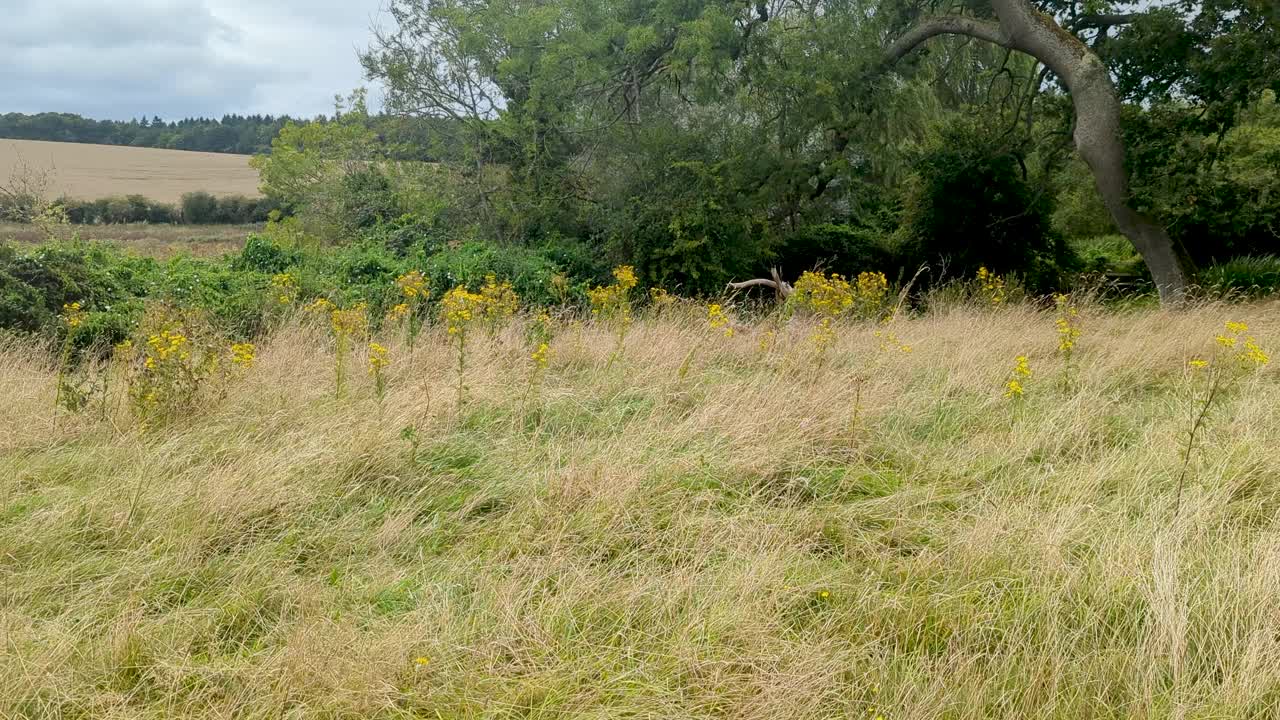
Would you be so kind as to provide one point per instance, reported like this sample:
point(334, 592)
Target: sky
point(182, 58)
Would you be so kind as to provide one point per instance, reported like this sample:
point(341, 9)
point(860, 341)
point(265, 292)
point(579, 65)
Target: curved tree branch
point(946, 25)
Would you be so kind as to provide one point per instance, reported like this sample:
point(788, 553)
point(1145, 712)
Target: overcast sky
point(181, 58)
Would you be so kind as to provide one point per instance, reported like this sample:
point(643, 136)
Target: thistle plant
point(414, 295)
point(345, 325)
point(1236, 355)
point(1015, 385)
point(461, 309)
point(611, 305)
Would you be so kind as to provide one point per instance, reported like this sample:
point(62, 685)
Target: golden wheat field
point(145, 239)
point(89, 172)
point(700, 524)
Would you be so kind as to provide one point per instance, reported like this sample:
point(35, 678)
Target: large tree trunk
point(1097, 136)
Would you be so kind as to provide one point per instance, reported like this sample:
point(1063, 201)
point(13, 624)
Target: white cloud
point(178, 58)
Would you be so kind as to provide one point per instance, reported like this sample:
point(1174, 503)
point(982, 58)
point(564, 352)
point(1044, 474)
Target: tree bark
point(1097, 135)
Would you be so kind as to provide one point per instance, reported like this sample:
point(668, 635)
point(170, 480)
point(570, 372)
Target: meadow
point(89, 172)
point(718, 516)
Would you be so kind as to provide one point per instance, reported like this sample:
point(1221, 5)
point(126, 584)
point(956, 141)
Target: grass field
point(702, 529)
point(89, 172)
point(158, 241)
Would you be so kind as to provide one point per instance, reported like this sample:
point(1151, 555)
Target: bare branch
point(782, 287)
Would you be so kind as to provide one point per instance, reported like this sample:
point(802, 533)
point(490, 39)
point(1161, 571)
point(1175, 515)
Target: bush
point(529, 271)
point(199, 208)
point(840, 248)
point(162, 214)
point(263, 254)
point(35, 284)
point(971, 205)
point(1254, 276)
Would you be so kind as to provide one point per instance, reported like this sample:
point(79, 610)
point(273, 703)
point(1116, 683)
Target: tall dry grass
point(700, 530)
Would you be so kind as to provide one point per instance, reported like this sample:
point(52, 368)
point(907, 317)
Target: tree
point(1020, 26)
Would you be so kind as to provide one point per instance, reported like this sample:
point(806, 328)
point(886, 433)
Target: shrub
point(1255, 276)
point(841, 248)
point(36, 284)
point(970, 205)
point(262, 253)
point(199, 208)
point(162, 214)
point(529, 271)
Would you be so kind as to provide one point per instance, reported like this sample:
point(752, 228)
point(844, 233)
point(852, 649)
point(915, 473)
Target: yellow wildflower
point(413, 285)
point(72, 314)
point(1013, 387)
point(460, 307)
point(499, 300)
point(1198, 364)
point(320, 305)
point(378, 358)
point(399, 312)
point(718, 320)
point(660, 298)
point(243, 354)
point(625, 276)
point(285, 286)
point(992, 286)
point(541, 356)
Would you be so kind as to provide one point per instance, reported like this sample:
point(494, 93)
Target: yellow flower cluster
point(718, 320)
point(992, 286)
point(1014, 388)
point(72, 314)
point(1067, 324)
point(379, 358)
point(870, 292)
point(1247, 353)
point(350, 322)
point(243, 354)
point(500, 301)
point(320, 305)
point(825, 296)
point(285, 288)
point(660, 298)
point(625, 276)
point(413, 285)
point(612, 302)
point(542, 356)
point(767, 339)
point(460, 308)
point(889, 340)
point(165, 347)
point(398, 313)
